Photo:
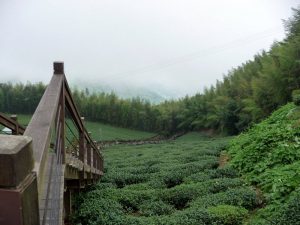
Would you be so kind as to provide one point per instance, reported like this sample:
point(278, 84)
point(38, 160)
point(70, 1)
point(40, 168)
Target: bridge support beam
point(67, 204)
point(18, 184)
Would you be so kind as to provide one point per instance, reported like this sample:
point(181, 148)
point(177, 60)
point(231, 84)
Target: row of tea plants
point(178, 182)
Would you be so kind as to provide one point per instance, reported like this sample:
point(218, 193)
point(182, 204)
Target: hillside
point(103, 132)
point(268, 156)
point(182, 182)
point(154, 94)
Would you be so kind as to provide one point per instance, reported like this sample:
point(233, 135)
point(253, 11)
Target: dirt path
point(153, 140)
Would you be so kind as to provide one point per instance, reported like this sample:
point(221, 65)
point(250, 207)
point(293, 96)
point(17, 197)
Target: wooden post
point(95, 156)
point(58, 68)
point(18, 193)
point(82, 143)
point(88, 148)
point(92, 161)
point(82, 154)
point(16, 130)
point(88, 157)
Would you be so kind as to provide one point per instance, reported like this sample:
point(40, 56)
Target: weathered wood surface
point(41, 123)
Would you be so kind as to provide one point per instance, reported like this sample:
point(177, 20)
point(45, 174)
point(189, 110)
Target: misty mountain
point(153, 93)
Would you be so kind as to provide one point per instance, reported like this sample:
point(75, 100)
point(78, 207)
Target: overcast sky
point(178, 45)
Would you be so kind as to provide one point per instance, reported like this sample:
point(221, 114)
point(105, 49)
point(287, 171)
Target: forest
point(246, 95)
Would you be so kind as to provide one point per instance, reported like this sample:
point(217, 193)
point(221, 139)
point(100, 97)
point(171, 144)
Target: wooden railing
point(60, 167)
point(12, 124)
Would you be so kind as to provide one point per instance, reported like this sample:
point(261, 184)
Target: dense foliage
point(268, 156)
point(173, 183)
point(246, 95)
point(20, 98)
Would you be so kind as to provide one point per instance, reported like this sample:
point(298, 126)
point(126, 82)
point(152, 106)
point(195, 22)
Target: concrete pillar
point(18, 184)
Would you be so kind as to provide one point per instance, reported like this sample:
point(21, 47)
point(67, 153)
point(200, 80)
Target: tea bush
point(152, 208)
point(290, 214)
point(227, 214)
point(228, 172)
point(240, 196)
point(175, 183)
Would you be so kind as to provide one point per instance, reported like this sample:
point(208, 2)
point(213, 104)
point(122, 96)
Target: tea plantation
point(178, 182)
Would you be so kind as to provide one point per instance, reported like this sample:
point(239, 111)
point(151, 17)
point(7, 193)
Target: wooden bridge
point(42, 166)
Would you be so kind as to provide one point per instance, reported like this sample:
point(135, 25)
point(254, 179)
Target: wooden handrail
point(39, 127)
point(75, 114)
point(43, 119)
point(11, 124)
point(56, 171)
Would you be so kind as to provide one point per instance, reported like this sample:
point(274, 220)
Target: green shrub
point(281, 181)
point(222, 184)
point(120, 179)
point(266, 146)
point(130, 200)
point(145, 169)
point(151, 208)
point(191, 217)
point(186, 217)
point(290, 214)
point(244, 197)
point(137, 187)
point(180, 195)
point(228, 172)
point(201, 165)
point(268, 156)
point(102, 185)
point(173, 178)
point(296, 97)
point(99, 211)
point(197, 177)
point(227, 214)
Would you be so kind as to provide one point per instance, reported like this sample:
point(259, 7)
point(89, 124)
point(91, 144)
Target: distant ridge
point(153, 94)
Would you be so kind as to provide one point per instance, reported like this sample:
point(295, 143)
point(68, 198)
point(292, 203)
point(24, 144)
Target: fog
point(173, 46)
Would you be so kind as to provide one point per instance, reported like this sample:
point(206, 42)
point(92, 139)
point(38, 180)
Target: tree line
point(246, 95)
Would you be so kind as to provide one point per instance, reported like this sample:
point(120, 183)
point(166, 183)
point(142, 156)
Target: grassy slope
point(102, 131)
point(171, 183)
point(268, 155)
